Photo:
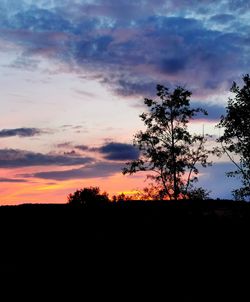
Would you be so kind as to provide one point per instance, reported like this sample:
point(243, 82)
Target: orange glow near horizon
point(40, 191)
point(47, 191)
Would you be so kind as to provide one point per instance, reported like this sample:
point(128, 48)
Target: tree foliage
point(166, 147)
point(121, 197)
point(88, 196)
point(235, 140)
point(198, 194)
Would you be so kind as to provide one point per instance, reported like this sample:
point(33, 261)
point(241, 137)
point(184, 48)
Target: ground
point(186, 249)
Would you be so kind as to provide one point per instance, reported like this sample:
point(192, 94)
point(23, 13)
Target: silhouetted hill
point(186, 247)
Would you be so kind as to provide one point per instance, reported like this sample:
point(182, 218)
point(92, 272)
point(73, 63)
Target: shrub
point(88, 196)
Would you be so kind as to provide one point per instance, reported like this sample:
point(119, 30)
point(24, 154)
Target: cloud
point(119, 151)
point(39, 19)
point(83, 147)
point(173, 65)
point(223, 18)
point(150, 42)
point(210, 178)
point(64, 145)
point(215, 111)
point(193, 54)
point(15, 158)
point(21, 132)
point(95, 170)
point(75, 128)
point(13, 180)
point(110, 150)
point(24, 63)
point(71, 153)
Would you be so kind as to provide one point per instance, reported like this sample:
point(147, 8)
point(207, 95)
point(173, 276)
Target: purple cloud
point(119, 151)
point(132, 46)
point(223, 18)
point(13, 180)
point(15, 158)
point(95, 170)
point(83, 147)
point(21, 132)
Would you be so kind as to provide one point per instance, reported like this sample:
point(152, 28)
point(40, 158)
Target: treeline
point(93, 196)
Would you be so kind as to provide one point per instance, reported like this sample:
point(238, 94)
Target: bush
point(88, 196)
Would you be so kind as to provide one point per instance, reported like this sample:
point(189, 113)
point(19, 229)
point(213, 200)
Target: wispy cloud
point(114, 151)
point(64, 145)
point(22, 132)
point(95, 170)
point(13, 180)
point(83, 147)
point(14, 158)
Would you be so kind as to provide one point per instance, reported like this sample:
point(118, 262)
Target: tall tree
point(235, 140)
point(166, 147)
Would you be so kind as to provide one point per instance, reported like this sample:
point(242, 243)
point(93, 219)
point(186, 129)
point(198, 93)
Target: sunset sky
point(73, 75)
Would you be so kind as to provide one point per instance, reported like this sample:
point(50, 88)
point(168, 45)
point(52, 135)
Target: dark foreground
point(185, 251)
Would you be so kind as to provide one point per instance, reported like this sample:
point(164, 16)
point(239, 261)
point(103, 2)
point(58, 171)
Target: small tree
point(166, 147)
point(235, 141)
point(198, 194)
point(121, 197)
point(88, 196)
point(151, 192)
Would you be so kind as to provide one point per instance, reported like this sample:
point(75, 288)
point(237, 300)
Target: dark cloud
point(13, 180)
point(215, 111)
point(200, 57)
point(110, 150)
point(14, 158)
point(22, 132)
point(82, 147)
point(71, 153)
point(173, 65)
point(133, 45)
point(223, 18)
point(126, 87)
point(119, 151)
point(65, 145)
point(95, 170)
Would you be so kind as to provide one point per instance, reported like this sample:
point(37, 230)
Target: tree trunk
point(174, 157)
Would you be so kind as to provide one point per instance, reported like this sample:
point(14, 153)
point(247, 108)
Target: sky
point(73, 75)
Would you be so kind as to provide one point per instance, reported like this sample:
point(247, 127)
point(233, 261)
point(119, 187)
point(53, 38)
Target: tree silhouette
point(198, 194)
point(166, 147)
point(121, 197)
point(235, 141)
point(150, 192)
point(88, 196)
